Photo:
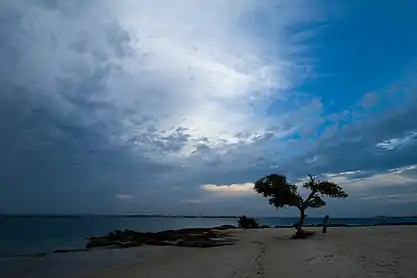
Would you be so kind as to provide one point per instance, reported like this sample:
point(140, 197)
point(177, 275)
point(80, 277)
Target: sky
point(178, 106)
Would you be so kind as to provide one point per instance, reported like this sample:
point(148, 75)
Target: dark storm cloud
point(49, 162)
point(56, 155)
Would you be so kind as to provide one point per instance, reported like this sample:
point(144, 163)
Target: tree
point(281, 194)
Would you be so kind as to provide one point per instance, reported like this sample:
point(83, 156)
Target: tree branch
point(305, 202)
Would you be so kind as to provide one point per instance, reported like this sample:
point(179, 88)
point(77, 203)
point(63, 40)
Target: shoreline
point(41, 254)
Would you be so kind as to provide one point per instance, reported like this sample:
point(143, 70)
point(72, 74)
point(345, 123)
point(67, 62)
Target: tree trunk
point(299, 226)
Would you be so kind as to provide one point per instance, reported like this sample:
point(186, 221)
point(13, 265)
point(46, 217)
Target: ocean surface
point(20, 236)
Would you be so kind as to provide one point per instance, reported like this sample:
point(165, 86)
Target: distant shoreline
point(109, 216)
point(176, 216)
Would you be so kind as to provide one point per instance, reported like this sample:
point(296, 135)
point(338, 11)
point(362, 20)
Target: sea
point(28, 235)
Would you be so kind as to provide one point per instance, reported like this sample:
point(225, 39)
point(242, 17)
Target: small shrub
point(247, 223)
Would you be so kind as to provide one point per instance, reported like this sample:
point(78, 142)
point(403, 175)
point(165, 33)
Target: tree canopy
point(281, 193)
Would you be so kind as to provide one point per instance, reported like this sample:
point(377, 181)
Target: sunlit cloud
point(403, 176)
point(393, 198)
point(232, 190)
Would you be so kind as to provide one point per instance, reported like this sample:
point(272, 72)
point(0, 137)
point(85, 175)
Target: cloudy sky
point(178, 106)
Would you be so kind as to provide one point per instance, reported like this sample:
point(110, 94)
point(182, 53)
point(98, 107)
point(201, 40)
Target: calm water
point(19, 236)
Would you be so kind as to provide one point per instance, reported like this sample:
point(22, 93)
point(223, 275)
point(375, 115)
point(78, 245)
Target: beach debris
point(193, 237)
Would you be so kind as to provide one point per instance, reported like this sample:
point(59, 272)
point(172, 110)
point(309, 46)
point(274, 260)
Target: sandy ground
point(342, 252)
point(71, 265)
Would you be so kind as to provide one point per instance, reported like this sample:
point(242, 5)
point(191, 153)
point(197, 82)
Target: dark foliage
point(247, 223)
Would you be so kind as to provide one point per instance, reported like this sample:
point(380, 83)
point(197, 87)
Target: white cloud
point(403, 169)
point(333, 175)
point(312, 160)
point(215, 73)
point(196, 201)
point(394, 198)
point(399, 142)
point(403, 176)
point(232, 190)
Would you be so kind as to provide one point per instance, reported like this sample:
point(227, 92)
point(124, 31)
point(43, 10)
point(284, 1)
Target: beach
point(343, 252)
point(386, 251)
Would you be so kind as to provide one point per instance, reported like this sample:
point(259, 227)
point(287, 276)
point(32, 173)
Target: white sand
point(342, 252)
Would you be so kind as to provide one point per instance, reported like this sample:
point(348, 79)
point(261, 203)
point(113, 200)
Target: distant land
point(110, 215)
point(162, 216)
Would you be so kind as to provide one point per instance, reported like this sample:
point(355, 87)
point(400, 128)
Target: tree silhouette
point(281, 194)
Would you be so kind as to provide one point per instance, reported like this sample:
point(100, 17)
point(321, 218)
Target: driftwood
point(325, 223)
